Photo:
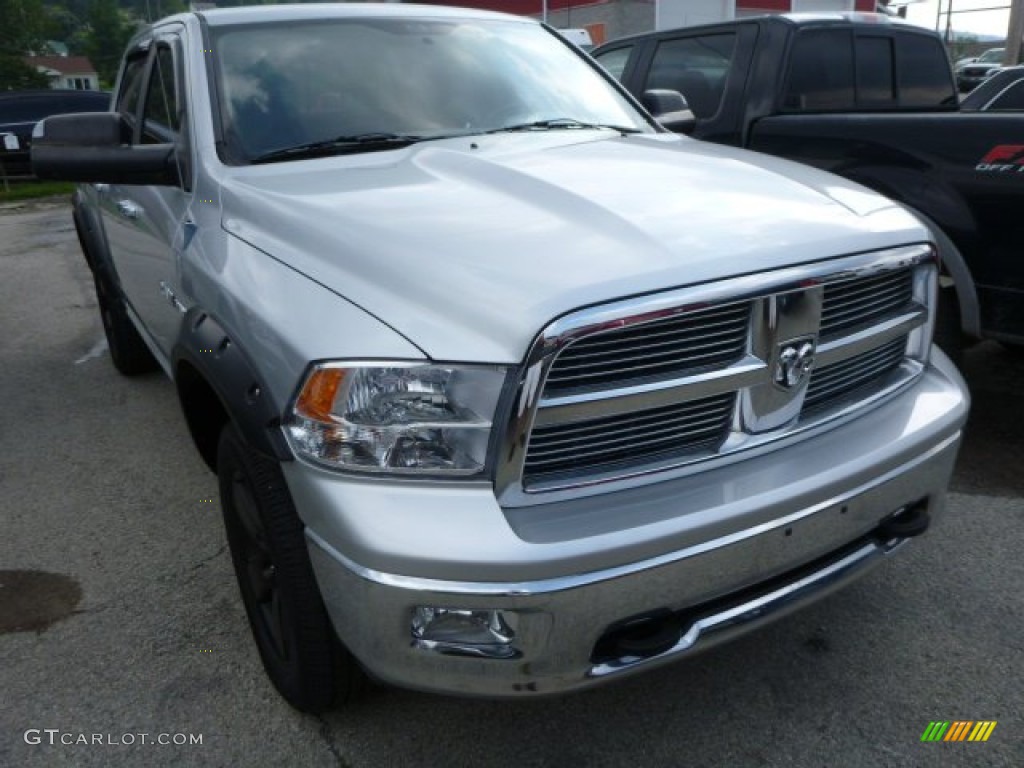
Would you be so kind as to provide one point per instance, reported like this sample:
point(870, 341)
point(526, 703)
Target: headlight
point(399, 417)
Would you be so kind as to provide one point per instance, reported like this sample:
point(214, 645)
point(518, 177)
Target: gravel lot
point(106, 506)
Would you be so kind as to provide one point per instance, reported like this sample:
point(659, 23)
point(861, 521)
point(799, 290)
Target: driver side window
point(131, 87)
point(161, 118)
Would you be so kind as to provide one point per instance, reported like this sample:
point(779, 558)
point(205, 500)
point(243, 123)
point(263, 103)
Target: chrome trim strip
point(732, 291)
point(868, 338)
point(560, 410)
point(560, 583)
point(758, 610)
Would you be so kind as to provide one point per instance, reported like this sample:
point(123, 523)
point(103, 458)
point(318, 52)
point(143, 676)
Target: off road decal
point(1006, 158)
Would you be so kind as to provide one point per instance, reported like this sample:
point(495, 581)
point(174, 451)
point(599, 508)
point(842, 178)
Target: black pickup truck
point(871, 99)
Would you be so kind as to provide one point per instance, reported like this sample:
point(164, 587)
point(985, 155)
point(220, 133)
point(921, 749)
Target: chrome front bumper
point(746, 560)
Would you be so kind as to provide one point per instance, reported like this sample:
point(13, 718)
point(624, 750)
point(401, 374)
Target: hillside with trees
point(98, 29)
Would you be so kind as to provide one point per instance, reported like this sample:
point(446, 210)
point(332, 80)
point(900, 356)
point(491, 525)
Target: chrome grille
point(643, 436)
point(610, 393)
point(832, 382)
point(861, 301)
point(655, 350)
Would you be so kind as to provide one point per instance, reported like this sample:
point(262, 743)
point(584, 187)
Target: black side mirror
point(670, 109)
point(96, 147)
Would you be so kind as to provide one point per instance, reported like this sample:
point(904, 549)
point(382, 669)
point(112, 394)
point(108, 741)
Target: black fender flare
point(225, 367)
point(952, 261)
point(943, 212)
point(93, 240)
point(88, 230)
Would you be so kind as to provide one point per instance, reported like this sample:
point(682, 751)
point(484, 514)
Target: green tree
point(108, 34)
point(16, 75)
point(20, 34)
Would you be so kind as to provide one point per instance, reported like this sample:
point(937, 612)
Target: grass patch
point(29, 190)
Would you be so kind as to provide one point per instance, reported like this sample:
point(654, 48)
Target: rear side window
point(876, 86)
point(924, 79)
point(831, 69)
point(697, 67)
point(32, 108)
point(821, 71)
point(27, 110)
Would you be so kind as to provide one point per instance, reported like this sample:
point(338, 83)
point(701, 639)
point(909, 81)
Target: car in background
point(21, 110)
point(973, 74)
point(1003, 91)
point(578, 37)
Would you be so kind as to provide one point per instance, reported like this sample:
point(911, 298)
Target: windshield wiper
point(562, 123)
point(363, 142)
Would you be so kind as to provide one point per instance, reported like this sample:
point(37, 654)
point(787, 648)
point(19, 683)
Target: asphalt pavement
point(119, 614)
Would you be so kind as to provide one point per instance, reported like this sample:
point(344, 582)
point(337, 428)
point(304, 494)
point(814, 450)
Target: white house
point(75, 72)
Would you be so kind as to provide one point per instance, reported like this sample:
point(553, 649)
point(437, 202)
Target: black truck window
point(923, 72)
point(876, 86)
point(697, 67)
point(161, 112)
point(131, 85)
point(821, 71)
point(615, 61)
point(1011, 98)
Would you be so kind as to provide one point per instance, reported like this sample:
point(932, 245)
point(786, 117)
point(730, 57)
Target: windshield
point(296, 84)
point(992, 55)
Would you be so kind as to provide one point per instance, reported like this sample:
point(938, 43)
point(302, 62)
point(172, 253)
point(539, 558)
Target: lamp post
point(1014, 33)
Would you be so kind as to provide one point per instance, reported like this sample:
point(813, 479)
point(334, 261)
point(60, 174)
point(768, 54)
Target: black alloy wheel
point(289, 622)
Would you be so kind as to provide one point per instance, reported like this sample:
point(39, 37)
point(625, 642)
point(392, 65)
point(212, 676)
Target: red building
point(608, 19)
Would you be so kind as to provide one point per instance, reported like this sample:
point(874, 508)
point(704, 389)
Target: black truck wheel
point(128, 351)
point(289, 623)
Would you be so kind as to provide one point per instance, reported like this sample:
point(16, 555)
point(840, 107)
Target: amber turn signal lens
point(316, 401)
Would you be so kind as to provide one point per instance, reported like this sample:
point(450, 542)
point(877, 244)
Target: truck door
point(145, 225)
point(708, 66)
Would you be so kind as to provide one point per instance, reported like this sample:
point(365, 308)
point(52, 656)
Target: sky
point(981, 22)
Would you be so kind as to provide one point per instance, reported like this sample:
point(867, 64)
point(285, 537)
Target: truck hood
point(469, 247)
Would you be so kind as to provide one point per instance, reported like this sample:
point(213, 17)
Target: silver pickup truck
point(509, 391)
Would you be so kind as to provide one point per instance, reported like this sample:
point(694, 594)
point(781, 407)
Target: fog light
point(463, 632)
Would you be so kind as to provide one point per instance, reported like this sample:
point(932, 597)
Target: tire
point(128, 352)
point(289, 623)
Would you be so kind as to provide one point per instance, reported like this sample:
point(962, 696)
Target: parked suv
point(509, 391)
point(21, 110)
point(974, 73)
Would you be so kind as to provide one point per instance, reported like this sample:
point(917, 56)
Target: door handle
point(129, 209)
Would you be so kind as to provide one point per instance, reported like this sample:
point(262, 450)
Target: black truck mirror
point(670, 109)
point(96, 147)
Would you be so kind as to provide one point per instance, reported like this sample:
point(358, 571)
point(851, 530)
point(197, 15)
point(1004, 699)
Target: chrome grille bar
point(648, 351)
point(864, 300)
point(596, 444)
point(841, 378)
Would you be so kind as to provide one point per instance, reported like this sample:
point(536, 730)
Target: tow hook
point(641, 637)
point(912, 520)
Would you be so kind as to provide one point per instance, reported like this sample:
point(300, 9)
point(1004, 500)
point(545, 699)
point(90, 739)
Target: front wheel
point(293, 633)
